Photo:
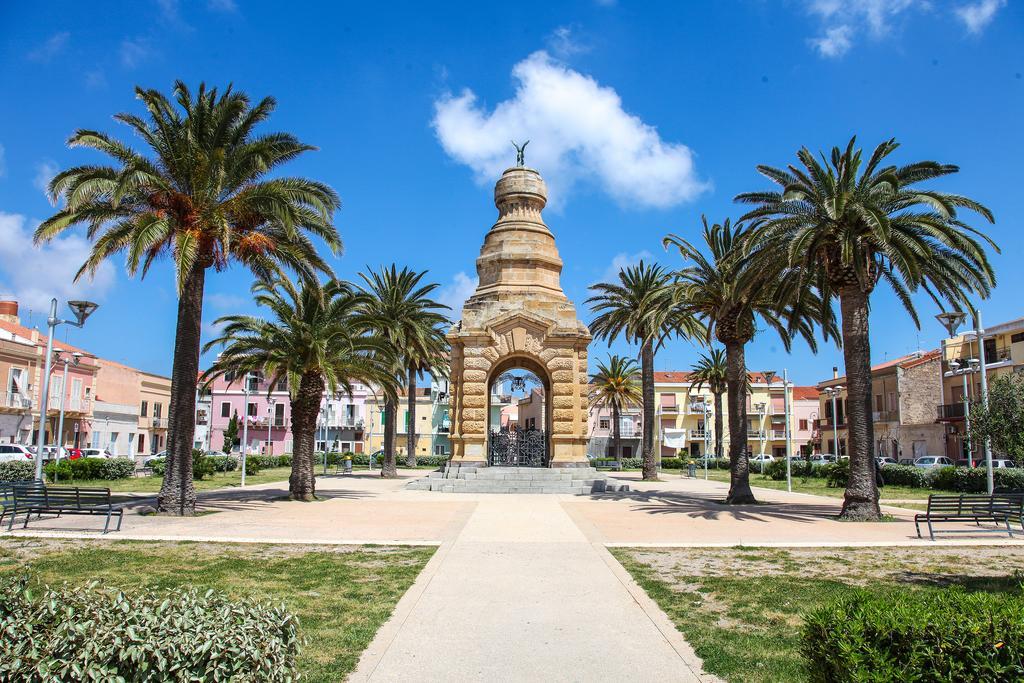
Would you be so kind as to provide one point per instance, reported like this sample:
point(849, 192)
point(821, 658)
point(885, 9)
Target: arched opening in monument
point(519, 414)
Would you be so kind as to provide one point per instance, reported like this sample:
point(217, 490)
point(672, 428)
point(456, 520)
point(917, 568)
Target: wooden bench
point(999, 508)
point(65, 500)
point(7, 497)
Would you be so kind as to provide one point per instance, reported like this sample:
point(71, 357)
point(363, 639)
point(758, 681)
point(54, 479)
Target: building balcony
point(826, 423)
point(669, 409)
point(696, 407)
point(951, 411)
point(885, 416)
point(698, 433)
point(15, 401)
point(778, 433)
point(755, 434)
point(159, 422)
point(76, 404)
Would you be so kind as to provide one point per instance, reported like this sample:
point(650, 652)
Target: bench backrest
point(60, 496)
point(970, 502)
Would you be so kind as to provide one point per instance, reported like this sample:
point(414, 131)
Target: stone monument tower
point(519, 318)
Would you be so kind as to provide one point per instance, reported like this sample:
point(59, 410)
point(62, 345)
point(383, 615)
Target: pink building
point(601, 432)
point(805, 420)
point(268, 414)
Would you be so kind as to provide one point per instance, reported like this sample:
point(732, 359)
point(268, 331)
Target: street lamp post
point(833, 392)
point(245, 422)
point(707, 438)
point(967, 367)
point(769, 377)
point(75, 359)
point(82, 310)
point(270, 419)
point(979, 331)
point(951, 320)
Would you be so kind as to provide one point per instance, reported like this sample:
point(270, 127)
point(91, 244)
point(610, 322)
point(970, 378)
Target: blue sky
point(643, 116)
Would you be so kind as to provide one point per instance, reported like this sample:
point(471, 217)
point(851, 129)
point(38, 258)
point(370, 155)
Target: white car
point(1000, 463)
point(14, 451)
point(762, 458)
point(886, 460)
point(930, 461)
point(96, 453)
point(822, 458)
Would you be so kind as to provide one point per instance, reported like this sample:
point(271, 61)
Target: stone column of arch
point(519, 317)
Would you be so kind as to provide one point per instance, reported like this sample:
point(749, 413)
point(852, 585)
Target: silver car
point(930, 461)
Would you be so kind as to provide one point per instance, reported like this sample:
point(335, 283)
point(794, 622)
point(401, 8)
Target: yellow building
point(427, 437)
point(686, 417)
point(1003, 345)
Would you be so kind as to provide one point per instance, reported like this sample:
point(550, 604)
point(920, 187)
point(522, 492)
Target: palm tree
point(615, 386)
point(318, 338)
point(200, 197)
point(729, 290)
point(844, 229)
point(639, 307)
point(411, 324)
point(710, 370)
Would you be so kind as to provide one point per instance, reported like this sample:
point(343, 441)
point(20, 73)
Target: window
point(144, 411)
point(279, 413)
point(95, 439)
point(878, 403)
point(157, 410)
point(251, 410)
point(225, 409)
point(803, 425)
point(627, 451)
point(1016, 338)
point(282, 385)
point(604, 423)
point(142, 443)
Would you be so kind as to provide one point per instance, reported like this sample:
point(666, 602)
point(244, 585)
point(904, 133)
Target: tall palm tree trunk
point(650, 465)
point(616, 434)
point(410, 429)
point(390, 469)
point(736, 391)
point(305, 408)
point(719, 436)
point(861, 500)
point(178, 493)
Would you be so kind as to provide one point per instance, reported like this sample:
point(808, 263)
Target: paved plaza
point(521, 585)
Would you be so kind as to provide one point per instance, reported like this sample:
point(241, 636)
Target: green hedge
point(85, 632)
point(90, 468)
point(17, 470)
point(949, 635)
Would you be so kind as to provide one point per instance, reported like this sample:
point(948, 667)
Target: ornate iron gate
point(518, 448)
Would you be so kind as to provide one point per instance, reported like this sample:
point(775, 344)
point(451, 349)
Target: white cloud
point(578, 130)
point(34, 275)
point(621, 261)
point(977, 15)
point(835, 43)
point(563, 43)
point(3, 163)
point(45, 170)
point(51, 48)
point(454, 295)
point(134, 51)
point(876, 14)
point(210, 330)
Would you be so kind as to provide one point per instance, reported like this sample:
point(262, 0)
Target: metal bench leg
point(931, 531)
point(917, 525)
point(120, 517)
point(106, 524)
point(28, 516)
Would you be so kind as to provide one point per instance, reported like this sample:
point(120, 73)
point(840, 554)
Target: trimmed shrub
point(158, 465)
point(950, 635)
point(836, 474)
point(674, 463)
point(223, 463)
point(17, 470)
point(905, 475)
point(85, 632)
point(632, 463)
point(202, 465)
point(797, 468)
point(90, 468)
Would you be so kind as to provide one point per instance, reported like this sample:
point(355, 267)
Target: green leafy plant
point(1002, 420)
point(17, 470)
point(88, 632)
point(950, 635)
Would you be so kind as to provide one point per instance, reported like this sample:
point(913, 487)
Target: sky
point(641, 116)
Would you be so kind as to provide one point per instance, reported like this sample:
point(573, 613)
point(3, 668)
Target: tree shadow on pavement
point(713, 508)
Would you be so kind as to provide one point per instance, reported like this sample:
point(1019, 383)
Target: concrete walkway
point(522, 594)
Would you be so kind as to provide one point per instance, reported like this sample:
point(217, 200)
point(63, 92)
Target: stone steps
point(572, 481)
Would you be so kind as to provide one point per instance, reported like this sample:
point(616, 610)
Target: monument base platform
point(463, 479)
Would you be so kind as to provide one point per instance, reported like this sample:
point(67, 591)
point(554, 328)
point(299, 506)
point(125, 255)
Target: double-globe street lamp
point(833, 393)
point(82, 310)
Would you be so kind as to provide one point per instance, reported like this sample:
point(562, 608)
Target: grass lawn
point(817, 486)
point(341, 595)
point(741, 608)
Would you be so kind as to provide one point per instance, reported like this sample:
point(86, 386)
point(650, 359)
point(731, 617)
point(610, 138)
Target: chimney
point(835, 372)
point(9, 312)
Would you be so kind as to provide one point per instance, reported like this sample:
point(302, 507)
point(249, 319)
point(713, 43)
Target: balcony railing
point(826, 423)
point(159, 423)
point(698, 433)
point(779, 433)
point(75, 404)
point(670, 409)
point(951, 411)
point(755, 434)
point(696, 407)
point(13, 399)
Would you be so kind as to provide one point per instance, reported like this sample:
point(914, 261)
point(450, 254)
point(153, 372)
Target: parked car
point(822, 458)
point(999, 463)
point(96, 453)
point(886, 460)
point(909, 462)
point(765, 457)
point(14, 451)
point(930, 461)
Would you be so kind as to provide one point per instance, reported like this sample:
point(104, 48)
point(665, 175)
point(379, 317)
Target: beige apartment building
point(130, 411)
point(905, 393)
point(686, 416)
point(1003, 346)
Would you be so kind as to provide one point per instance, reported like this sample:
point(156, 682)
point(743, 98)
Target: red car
point(73, 453)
